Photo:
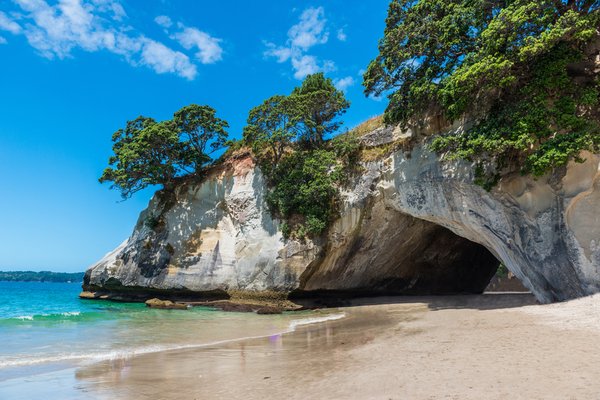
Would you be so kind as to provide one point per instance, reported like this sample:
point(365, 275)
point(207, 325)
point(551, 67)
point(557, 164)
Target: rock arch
point(410, 223)
point(546, 231)
point(378, 250)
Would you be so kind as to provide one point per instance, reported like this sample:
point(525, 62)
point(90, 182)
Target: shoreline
point(270, 302)
point(403, 348)
point(19, 368)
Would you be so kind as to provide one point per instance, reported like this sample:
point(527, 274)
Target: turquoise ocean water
point(45, 327)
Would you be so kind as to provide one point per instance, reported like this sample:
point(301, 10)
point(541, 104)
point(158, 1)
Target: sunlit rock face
point(546, 231)
point(215, 235)
point(410, 223)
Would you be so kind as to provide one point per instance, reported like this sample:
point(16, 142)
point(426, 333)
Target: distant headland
point(42, 276)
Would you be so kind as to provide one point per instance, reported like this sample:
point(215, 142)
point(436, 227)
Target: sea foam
point(87, 358)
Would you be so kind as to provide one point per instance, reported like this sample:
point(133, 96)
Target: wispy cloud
point(341, 35)
point(282, 54)
point(7, 24)
point(112, 7)
point(190, 38)
point(310, 31)
point(57, 29)
point(305, 65)
point(163, 21)
point(209, 49)
point(163, 59)
point(344, 83)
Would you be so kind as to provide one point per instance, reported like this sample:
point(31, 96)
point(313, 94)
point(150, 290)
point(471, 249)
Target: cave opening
point(437, 262)
point(505, 281)
point(392, 253)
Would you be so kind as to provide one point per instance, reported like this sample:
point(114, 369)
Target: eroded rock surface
point(213, 236)
point(411, 223)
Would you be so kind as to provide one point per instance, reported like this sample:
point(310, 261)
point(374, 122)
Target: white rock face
point(219, 235)
point(545, 231)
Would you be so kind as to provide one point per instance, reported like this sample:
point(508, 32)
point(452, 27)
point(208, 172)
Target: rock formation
point(411, 222)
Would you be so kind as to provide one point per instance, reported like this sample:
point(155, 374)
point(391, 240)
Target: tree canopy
point(200, 130)
point(287, 134)
point(271, 126)
point(316, 104)
point(306, 116)
point(520, 69)
point(147, 152)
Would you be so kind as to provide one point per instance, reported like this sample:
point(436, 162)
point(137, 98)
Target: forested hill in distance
point(42, 276)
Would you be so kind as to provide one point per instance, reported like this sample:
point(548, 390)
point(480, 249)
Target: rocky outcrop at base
point(165, 304)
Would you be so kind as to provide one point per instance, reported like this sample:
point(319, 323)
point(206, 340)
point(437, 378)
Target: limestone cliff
point(410, 223)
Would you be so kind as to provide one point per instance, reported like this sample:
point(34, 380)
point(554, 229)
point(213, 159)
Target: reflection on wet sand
point(461, 347)
point(311, 351)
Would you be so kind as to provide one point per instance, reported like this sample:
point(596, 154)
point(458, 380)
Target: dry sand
point(464, 347)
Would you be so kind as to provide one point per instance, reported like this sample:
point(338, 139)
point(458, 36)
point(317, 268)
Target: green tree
point(147, 152)
point(307, 115)
point(304, 183)
point(316, 106)
point(201, 132)
point(270, 128)
point(287, 135)
point(518, 68)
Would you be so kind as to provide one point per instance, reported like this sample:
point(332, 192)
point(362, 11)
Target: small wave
point(71, 313)
point(315, 320)
point(58, 317)
point(7, 363)
point(125, 354)
point(24, 317)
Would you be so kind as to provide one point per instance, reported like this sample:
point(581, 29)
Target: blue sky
point(73, 71)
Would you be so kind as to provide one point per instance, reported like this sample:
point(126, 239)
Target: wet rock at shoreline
point(165, 304)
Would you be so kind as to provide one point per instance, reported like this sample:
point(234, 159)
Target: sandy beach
point(461, 347)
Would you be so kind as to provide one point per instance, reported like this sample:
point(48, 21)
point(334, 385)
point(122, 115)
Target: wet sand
point(462, 347)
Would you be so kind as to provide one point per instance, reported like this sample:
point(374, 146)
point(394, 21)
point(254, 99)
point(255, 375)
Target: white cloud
point(110, 6)
point(310, 30)
point(163, 21)
point(304, 65)
point(301, 37)
point(341, 35)
point(344, 83)
point(56, 30)
point(209, 50)
point(163, 59)
point(2, 40)
point(328, 66)
point(7, 24)
point(282, 54)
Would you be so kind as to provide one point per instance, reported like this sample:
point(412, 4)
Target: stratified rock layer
point(411, 223)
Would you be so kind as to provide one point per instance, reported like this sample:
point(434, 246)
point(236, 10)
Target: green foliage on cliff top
point(287, 135)
point(147, 152)
point(306, 116)
point(304, 184)
point(518, 68)
point(316, 106)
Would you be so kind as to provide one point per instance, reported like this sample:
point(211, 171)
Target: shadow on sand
point(486, 301)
